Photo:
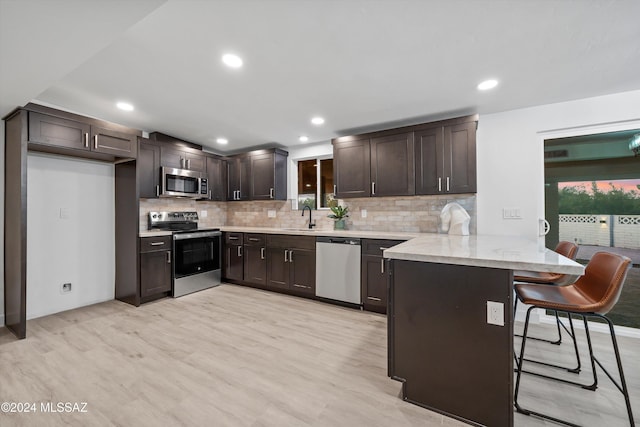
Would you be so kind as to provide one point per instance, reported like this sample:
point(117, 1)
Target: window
point(315, 183)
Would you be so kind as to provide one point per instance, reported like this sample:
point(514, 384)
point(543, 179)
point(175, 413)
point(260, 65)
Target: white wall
point(79, 249)
point(510, 154)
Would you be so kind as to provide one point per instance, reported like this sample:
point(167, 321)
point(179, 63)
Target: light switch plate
point(271, 213)
point(203, 214)
point(495, 313)
point(363, 213)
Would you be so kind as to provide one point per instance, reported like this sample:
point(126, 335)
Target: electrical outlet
point(495, 313)
point(271, 213)
point(363, 213)
point(66, 287)
point(203, 214)
point(64, 213)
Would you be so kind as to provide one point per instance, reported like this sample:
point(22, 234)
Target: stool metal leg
point(622, 386)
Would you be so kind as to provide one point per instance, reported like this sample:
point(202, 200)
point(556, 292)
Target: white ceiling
point(361, 64)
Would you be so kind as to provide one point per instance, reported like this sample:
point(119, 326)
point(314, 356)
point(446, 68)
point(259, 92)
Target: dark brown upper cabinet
point(217, 178)
point(392, 165)
point(258, 175)
point(269, 175)
point(182, 158)
point(238, 173)
point(79, 135)
point(377, 166)
point(148, 169)
point(352, 168)
point(429, 158)
point(445, 159)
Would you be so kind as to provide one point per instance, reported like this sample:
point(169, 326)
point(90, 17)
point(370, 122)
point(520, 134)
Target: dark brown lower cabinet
point(155, 266)
point(291, 263)
point(277, 267)
point(271, 261)
point(302, 266)
point(255, 259)
point(233, 268)
point(374, 274)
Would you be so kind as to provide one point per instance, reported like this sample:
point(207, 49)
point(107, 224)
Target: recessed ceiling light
point(303, 138)
point(317, 120)
point(231, 60)
point(124, 106)
point(488, 84)
point(222, 141)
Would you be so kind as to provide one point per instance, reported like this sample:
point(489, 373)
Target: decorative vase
point(339, 224)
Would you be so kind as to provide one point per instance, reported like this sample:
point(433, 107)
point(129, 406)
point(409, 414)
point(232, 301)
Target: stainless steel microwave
point(184, 183)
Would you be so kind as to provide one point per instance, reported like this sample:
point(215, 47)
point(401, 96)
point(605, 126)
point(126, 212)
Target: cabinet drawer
point(374, 246)
point(233, 238)
point(150, 244)
point(288, 241)
point(254, 239)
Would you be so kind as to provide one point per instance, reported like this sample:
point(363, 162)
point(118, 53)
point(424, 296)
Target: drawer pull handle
point(374, 299)
point(157, 243)
point(301, 286)
point(253, 239)
point(383, 248)
point(233, 238)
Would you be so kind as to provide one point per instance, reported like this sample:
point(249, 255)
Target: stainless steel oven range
point(196, 260)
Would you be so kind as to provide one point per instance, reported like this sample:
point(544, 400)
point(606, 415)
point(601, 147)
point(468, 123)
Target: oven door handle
point(196, 235)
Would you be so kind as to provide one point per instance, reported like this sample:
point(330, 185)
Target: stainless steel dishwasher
point(338, 269)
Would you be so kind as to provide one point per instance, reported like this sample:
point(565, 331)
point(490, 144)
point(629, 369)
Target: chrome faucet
point(310, 224)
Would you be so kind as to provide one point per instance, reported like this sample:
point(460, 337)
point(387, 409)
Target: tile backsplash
point(408, 213)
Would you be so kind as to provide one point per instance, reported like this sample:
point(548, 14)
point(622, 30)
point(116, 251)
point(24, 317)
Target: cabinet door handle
point(157, 191)
point(290, 256)
point(86, 140)
point(261, 253)
point(335, 189)
point(373, 188)
point(95, 142)
point(168, 257)
point(157, 243)
point(286, 254)
point(439, 184)
point(188, 163)
point(447, 183)
point(239, 251)
point(382, 266)
point(209, 194)
point(374, 299)
point(271, 193)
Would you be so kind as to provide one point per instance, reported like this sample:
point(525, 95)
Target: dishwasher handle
point(338, 240)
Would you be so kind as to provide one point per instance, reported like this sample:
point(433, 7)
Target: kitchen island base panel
point(440, 345)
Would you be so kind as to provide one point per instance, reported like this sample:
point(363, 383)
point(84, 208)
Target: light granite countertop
point(504, 252)
point(391, 235)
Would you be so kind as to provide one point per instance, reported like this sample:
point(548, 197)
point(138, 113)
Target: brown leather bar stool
point(592, 295)
point(568, 250)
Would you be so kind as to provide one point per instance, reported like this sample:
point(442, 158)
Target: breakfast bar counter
point(442, 289)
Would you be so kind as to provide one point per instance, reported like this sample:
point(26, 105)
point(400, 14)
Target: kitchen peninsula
point(441, 346)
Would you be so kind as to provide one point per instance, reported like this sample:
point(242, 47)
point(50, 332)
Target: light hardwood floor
point(236, 356)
